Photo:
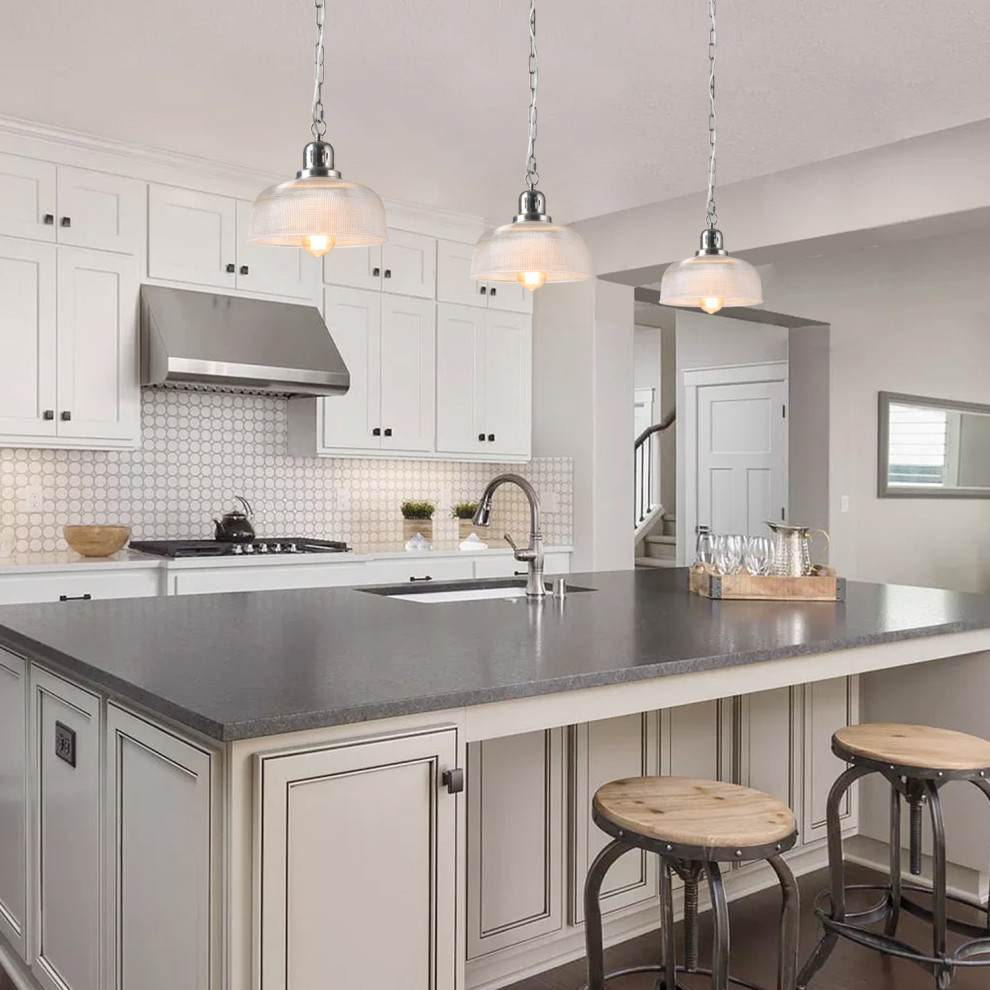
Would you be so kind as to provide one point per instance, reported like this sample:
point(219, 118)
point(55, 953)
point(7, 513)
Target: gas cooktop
point(215, 548)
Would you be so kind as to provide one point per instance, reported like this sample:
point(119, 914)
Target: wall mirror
point(933, 448)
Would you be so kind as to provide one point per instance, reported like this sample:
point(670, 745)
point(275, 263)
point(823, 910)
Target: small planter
point(410, 527)
point(465, 528)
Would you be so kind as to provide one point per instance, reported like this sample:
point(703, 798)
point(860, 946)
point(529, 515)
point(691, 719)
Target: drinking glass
point(729, 553)
point(759, 555)
point(705, 549)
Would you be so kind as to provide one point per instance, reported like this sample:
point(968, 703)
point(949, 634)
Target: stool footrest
point(697, 971)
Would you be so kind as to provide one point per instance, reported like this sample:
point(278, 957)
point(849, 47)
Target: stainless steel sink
point(473, 591)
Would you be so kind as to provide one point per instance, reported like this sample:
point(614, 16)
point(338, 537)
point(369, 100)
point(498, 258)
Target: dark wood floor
point(754, 947)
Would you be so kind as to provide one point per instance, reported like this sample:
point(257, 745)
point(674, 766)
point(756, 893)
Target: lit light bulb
point(531, 280)
point(711, 304)
point(318, 244)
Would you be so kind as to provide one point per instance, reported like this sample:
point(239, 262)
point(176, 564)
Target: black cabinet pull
point(66, 415)
point(66, 221)
point(481, 437)
point(520, 573)
point(377, 431)
point(244, 269)
point(492, 291)
point(49, 219)
point(75, 598)
point(231, 268)
point(48, 414)
point(388, 432)
point(483, 290)
point(491, 437)
point(375, 272)
point(426, 577)
point(388, 273)
point(453, 780)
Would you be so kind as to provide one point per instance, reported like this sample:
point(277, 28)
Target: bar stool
point(918, 761)
point(693, 825)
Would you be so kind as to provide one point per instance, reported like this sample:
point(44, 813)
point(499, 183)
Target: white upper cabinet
point(74, 206)
point(280, 271)
point(455, 285)
point(484, 383)
point(406, 264)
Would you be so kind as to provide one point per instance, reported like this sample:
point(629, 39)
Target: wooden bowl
point(96, 541)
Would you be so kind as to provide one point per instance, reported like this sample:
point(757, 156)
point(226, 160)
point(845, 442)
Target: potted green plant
point(417, 518)
point(464, 512)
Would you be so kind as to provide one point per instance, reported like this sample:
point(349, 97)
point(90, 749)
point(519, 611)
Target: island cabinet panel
point(769, 743)
point(698, 740)
point(610, 749)
point(13, 802)
point(159, 887)
point(515, 840)
point(356, 865)
point(66, 850)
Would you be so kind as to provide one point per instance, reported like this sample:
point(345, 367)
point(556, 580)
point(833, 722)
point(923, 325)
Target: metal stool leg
point(790, 920)
point(983, 785)
point(943, 974)
point(593, 912)
point(836, 873)
point(691, 923)
point(720, 922)
point(893, 919)
point(916, 797)
point(667, 927)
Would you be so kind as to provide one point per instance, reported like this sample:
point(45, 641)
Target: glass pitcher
point(792, 548)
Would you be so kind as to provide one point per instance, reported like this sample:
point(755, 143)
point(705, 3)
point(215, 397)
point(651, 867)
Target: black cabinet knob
point(481, 437)
point(48, 414)
point(453, 780)
point(491, 437)
point(66, 415)
point(483, 290)
point(244, 269)
point(376, 432)
point(375, 272)
point(66, 221)
point(49, 219)
point(492, 291)
point(231, 268)
point(388, 273)
point(388, 432)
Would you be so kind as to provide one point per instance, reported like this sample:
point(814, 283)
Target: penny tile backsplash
point(201, 449)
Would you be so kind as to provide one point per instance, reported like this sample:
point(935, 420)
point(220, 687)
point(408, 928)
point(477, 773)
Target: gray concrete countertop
point(239, 666)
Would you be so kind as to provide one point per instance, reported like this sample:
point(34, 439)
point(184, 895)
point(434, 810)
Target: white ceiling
point(426, 101)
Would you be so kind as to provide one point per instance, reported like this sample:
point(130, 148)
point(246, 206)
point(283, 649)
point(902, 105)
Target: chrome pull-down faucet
point(532, 555)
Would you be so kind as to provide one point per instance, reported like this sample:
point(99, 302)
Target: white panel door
point(358, 845)
point(27, 198)
point(160, 882)
point(98, 210)
point(192, 237)
point(66, 844)
point(354, 319)
point(508, 386)
point(409, 264)
point(742, 456)
point(454, 282)
point(510, 296)
point(515, 840)
point(354, 267)
point(408, 373)
point(13, 802)
point(99, 395)
point(460, 371)
point(27, 330)
point(279, 271)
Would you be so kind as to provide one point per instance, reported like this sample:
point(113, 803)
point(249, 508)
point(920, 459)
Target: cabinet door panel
point(454, 282)
point(510, 297)
point(460, 367)
point(13, 801)
point(159, 894)
point(611, 749)
point(698, 740)
point(828, 705)
point(105, 211)
point(354, 267)
point(769, 744)
point(279, 271)
point(358, 844)
point(27, 193)
point(98, 380)
point(409, 264)
point(354, 319)
point(191, 236)
point(508, 388)
point(515, 840)
point(27, 316)
point(408, 373)
point(66, 841)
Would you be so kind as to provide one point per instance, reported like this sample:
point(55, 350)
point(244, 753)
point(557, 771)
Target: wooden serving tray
point(749, 587)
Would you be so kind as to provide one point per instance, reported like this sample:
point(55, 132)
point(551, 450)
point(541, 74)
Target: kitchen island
point(267, 790)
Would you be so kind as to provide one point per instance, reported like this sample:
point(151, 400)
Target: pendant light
point(318, 210)
point(532, 249)
point(711, 279)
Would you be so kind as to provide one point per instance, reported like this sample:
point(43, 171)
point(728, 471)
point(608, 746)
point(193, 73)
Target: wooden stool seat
point(920, 746)
point(727, 821)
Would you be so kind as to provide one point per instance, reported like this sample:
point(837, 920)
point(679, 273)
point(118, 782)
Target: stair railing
point(645, 459)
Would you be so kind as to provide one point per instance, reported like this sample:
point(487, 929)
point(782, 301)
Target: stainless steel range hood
point(210, 341)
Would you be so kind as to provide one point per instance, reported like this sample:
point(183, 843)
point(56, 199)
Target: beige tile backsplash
point(201, 449)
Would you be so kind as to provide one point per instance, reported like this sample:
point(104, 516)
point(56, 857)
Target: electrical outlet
point(844, 503)
point(32, 498)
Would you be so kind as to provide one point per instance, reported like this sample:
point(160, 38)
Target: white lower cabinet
point(217, 580)
point(66, 847)
point(13, 802)
point(356, 865)
point(78, 584)
point(515, 840)
point(160, 893)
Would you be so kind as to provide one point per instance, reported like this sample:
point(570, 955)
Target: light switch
point(844, 503)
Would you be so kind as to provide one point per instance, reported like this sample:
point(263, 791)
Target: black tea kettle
point(235, 526)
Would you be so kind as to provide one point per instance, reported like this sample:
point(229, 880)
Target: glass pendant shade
point(711, 279)
point(317, 210)
point(532, 250)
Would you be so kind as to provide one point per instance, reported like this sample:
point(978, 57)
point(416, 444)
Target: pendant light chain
point(712, 217)
point(319, 126)
point(532, 175)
